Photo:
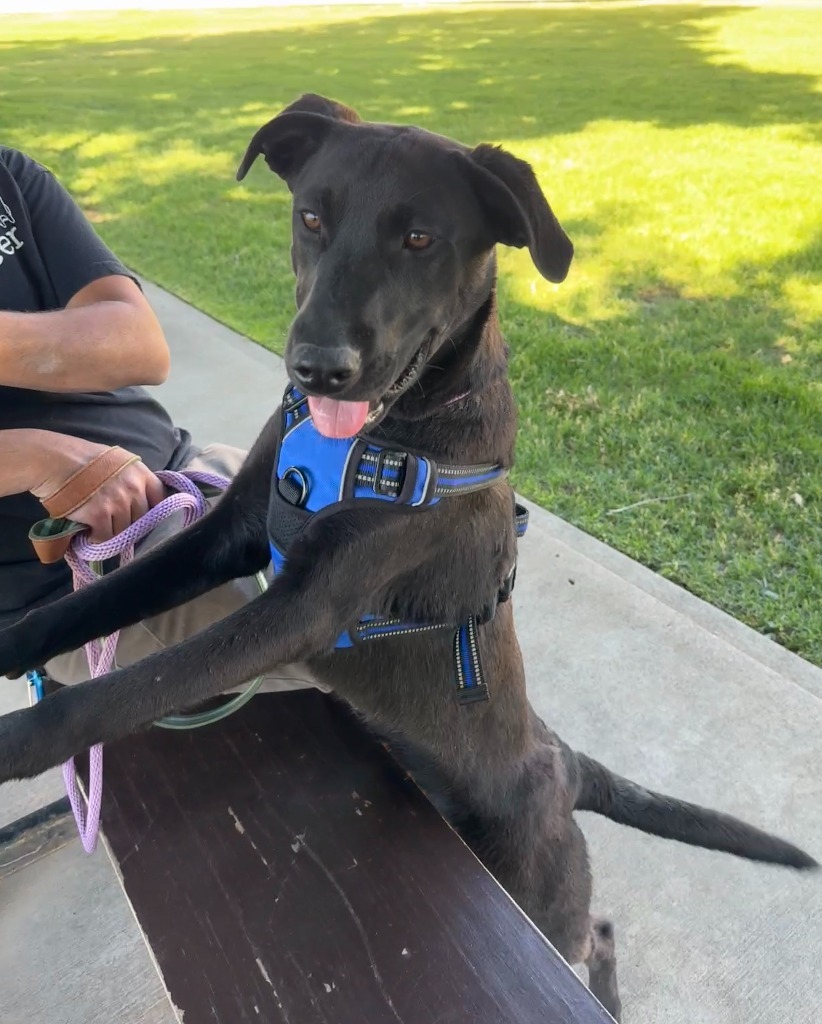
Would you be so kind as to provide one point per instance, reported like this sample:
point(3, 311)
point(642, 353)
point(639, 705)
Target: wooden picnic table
point(284, 869)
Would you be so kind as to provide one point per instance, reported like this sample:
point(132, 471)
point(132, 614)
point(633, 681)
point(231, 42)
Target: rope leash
point(82, 558)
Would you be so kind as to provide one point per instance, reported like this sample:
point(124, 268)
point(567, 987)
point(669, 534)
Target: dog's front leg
point(301, 615)
point(228, 542)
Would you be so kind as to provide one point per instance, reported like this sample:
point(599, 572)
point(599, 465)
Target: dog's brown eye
point(311, 220)
point(418, 240)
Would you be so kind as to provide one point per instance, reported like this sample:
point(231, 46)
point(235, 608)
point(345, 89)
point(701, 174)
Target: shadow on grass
point(476, 74)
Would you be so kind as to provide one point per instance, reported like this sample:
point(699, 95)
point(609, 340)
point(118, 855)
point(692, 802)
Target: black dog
point(396, 340)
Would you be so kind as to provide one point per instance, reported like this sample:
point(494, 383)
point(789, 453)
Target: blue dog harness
point(318, 476)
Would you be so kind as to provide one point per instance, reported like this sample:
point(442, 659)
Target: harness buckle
point(389, 474)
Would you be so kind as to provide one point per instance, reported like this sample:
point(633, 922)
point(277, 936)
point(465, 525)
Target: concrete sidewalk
point(641, 675)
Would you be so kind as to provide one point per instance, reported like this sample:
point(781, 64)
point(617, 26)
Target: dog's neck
point(462, 408)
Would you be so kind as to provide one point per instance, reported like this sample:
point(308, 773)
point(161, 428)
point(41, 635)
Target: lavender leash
point(82, 557)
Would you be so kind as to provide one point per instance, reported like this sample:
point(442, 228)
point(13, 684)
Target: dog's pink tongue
point(338, 419)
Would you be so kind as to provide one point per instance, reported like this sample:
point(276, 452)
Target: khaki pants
point(171, 627)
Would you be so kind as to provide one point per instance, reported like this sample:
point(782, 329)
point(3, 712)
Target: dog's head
point(394, 231)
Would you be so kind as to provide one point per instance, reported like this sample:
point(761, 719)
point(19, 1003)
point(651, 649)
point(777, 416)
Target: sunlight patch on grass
point(122, 26)
point(804, 298)
point(246, 195)
point(413, 111)
point(122, 163)
point(55, 142)
point(111, 144)
point(749, 41)
point(183, 159)
point(672, 205)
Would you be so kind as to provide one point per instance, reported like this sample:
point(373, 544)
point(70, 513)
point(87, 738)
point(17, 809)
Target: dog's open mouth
point(337, 419)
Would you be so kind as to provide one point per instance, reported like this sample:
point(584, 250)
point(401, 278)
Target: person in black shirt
point(77, 338)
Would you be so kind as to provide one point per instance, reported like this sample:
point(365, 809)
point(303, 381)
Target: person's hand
point(117, 504)
point(120, 502)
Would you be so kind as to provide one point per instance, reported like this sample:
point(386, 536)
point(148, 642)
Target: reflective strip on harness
point(470, 680)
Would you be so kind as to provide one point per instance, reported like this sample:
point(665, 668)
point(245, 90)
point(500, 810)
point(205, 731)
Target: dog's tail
point(623, 801)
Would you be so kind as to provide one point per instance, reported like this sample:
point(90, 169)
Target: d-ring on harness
point(316, 476)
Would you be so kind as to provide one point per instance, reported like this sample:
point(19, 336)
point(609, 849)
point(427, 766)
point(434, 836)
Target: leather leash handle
point(86, 482)
point(51, 537)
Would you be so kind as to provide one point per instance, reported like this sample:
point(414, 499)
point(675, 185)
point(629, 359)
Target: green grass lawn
point(676, 371)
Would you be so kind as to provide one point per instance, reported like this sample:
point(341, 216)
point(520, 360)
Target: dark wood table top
point(283, 869)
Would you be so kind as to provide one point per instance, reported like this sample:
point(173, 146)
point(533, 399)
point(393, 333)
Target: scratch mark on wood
point(241, 829)
point(358, 925)
point(270, 984)
point(237, 823)
point(265, 973)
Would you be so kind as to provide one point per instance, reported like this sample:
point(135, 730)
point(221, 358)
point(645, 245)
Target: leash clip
point(37, 689)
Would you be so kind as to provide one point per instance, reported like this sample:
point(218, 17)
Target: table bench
point(283, 868)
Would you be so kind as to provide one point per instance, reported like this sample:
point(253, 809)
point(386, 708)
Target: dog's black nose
point(325, 369)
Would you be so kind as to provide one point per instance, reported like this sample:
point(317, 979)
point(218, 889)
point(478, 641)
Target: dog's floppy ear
point(295, 134)
point(518, 212)
point(311, 103)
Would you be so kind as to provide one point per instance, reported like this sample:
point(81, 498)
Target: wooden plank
point(283, 869)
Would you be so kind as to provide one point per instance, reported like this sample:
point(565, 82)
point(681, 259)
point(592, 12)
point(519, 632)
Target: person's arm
point(107, 337)
point(101, 333)
point(41, 461)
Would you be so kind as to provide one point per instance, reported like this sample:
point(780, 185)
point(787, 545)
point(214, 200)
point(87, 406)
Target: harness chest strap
point(319, 476)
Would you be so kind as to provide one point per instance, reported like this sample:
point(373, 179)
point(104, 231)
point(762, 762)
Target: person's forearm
point(96, 347)
point(30, 457)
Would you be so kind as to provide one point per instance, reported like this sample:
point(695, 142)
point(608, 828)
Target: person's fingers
point(99, 518)
point(139, 505)
point(155, 490)
point(143, 485)
point(121, 515)
point(135, 491)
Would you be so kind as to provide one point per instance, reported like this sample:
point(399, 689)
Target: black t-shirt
point(48, 252)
